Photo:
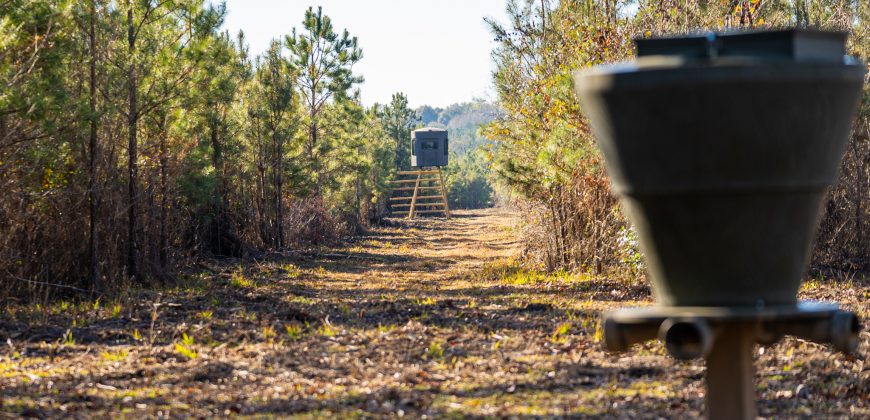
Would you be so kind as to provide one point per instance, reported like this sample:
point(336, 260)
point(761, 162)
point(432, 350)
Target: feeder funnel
point(721, 147)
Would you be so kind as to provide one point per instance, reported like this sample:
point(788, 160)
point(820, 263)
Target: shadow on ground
point(414, 319)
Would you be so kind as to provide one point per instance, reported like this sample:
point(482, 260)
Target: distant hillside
point(462, 120)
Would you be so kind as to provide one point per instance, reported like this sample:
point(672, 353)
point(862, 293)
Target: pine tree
point(163, 48)
point(217, 83)
point(324, 60)
point(275, 112)
point(398, 120)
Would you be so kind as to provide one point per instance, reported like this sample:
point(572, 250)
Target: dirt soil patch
point(431, 318)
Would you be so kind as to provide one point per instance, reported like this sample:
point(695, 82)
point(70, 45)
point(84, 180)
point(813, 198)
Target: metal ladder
point(417, 203)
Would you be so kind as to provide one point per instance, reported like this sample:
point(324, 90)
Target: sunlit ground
point(435, 318)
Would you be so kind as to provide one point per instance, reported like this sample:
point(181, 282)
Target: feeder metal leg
point(731, 374)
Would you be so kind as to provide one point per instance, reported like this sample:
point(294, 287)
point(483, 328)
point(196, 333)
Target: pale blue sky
point(436, 52)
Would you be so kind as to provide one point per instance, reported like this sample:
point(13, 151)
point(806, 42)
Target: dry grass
point(432, 318)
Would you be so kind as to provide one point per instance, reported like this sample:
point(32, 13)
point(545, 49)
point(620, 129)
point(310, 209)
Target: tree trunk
point(859, 188)
point(279, 190)
point(312, 147)
point(217, 162)
point(132, 165)
point(93, 269)
point(358, 192)
point(398, 148)
point(218, 222)
point(164, 195)
point(262, 213)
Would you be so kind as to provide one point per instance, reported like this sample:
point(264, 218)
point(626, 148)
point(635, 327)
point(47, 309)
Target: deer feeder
point(721, 147)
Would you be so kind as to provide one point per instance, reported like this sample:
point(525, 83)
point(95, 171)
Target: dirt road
point(426, 318)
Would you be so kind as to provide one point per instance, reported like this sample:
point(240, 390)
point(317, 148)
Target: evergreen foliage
point(134, 135)
point(468, 182)
point(398, 120)
point(324, 60)
point(544, 151)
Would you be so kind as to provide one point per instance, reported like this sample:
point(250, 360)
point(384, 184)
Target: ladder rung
point(431, 204)
point(416, 172)
point(429, 196)
point(401, 198)
point(429, 211)
point(411, 188)
point(418, 203)
point(408, 181)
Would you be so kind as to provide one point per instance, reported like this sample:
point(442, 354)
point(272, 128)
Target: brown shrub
point(843, 240)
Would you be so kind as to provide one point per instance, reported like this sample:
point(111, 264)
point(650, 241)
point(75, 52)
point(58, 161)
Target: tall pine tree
point(324, 60)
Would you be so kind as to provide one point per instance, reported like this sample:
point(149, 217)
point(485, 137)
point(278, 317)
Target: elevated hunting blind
point(429, 147)
point(425, 193)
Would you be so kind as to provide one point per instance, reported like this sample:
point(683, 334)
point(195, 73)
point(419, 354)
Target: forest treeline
point(137, 135)
point(546, 155)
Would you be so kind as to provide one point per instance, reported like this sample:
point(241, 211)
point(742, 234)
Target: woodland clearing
point(430, 317)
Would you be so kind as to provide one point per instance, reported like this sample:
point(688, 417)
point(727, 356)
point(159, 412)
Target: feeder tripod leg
point(731, 374)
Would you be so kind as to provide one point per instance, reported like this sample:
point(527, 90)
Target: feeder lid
point(795, 45)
